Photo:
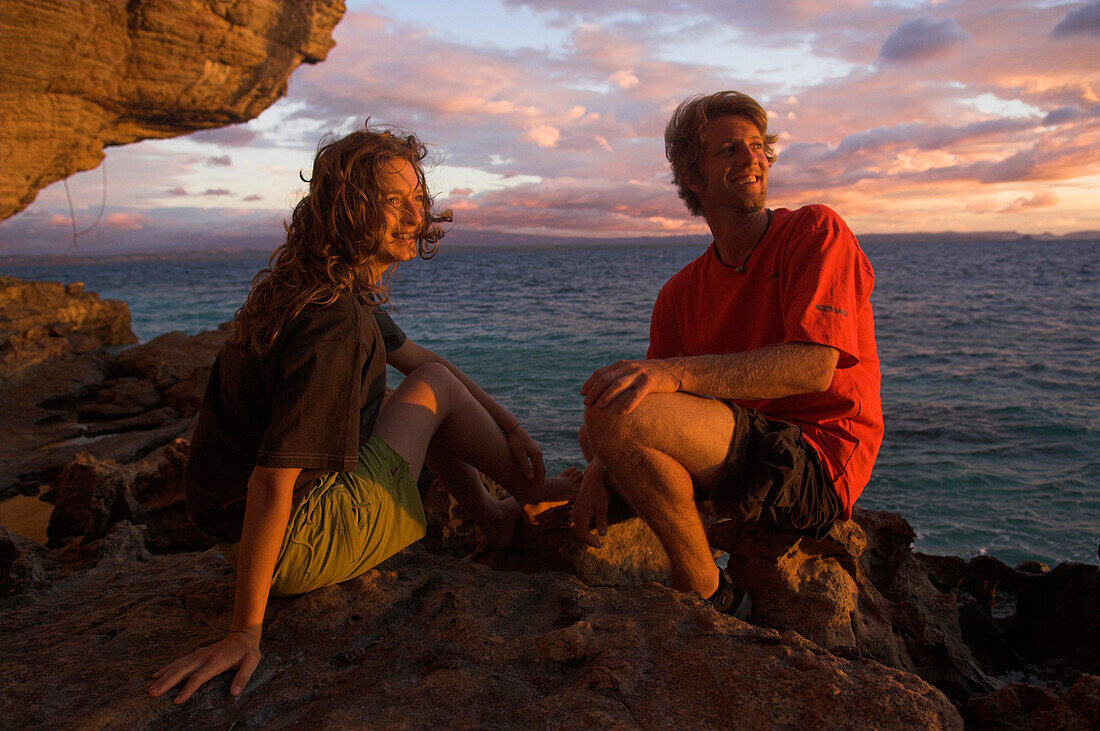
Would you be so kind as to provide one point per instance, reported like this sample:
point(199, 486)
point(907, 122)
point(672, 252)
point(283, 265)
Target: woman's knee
point(436, 376)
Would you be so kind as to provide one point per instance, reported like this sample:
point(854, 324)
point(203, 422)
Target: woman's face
point(403, 208)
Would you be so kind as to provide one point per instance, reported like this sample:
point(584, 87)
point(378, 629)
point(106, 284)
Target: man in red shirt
point(759, 395)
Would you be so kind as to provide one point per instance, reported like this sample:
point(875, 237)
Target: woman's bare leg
point(432, 413)
point(496, 518)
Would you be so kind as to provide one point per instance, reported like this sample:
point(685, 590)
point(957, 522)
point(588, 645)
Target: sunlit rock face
point(79, 76)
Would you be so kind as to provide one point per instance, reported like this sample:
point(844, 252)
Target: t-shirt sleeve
point(315, 418)
point(829, 281)
point(393, 337)
point(664, 338)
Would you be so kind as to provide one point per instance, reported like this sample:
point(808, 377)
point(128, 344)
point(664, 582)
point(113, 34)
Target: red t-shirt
point(807, 281)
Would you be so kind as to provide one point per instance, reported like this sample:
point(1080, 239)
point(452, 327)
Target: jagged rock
point(1020, 706)
point(889, 544)
point(80, 76)
point(21, 563)
point(926, 618)
point(95, 494)
point(427, 641)
point(629, 554)
point(41, 321)
point(815, 587)
point(120, 398)
point(119, 408)
point(159, 490)
point(173, 357)
point(1058, 615)
point(91, 496)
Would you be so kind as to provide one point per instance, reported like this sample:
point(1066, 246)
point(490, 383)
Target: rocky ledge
point(67, 386)
point(854, 630)
point(82, 75)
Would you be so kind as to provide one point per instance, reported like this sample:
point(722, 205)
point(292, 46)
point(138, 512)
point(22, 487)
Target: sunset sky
point(548, 117)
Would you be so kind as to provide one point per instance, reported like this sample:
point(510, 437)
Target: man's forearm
point(775, 371)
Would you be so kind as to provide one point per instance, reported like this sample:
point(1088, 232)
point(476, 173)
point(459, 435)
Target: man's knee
point(608, 429)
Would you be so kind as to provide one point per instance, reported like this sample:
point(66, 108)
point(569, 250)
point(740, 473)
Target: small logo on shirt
point(828, 310)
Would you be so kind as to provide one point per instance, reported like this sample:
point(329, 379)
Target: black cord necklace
point(740, 268)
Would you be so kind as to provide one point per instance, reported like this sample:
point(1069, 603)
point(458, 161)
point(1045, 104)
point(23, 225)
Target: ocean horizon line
point(478, 241)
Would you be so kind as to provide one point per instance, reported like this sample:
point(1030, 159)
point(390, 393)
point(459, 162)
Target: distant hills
point(960, 236)
point(468, 239)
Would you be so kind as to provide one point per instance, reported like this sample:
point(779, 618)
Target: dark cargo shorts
point(773, 476)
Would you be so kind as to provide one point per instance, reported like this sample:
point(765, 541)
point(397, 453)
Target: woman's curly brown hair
point(333, 234)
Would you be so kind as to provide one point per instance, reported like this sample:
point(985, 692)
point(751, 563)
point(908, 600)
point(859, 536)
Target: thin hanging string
point(72, 217)
point(72, 213)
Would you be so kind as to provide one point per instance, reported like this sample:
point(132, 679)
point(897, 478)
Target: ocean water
point(990, 355)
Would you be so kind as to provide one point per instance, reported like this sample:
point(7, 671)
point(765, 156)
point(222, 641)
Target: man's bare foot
point(559, 490)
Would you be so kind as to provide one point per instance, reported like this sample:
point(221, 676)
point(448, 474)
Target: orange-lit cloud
point(126, 221)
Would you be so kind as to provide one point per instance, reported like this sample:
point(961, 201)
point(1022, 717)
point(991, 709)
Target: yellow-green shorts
point(348, 523)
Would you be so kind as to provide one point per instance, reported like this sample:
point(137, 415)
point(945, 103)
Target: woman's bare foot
point(559, 490)
point(499, 528)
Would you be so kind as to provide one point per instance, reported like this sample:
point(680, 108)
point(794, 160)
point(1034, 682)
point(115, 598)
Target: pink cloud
point(126, 221)
point(543, 135)
point(1039, 200)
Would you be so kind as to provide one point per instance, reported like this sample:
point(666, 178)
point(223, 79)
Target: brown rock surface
point(925, 616)
point(115, 407)
point(1020, 706)
point(428, 641)
point(92, 495)
point(40, 321)
point(81, 75)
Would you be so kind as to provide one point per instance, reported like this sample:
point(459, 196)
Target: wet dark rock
point(1021, 706)
point(1058, 615)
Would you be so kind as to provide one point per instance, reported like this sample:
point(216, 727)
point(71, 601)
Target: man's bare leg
point(432, 407)
point(653, 455)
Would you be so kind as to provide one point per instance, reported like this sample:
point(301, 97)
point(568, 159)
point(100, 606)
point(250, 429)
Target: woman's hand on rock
point(528, 454)
point(240, 650)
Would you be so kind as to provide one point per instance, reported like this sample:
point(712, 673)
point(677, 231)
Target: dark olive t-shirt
point(309, 403)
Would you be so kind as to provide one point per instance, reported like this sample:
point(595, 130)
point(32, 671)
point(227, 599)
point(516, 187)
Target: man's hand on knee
point(591, 504)
point(633, 380)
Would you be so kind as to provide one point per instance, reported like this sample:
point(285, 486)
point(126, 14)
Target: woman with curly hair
point(301, 466)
